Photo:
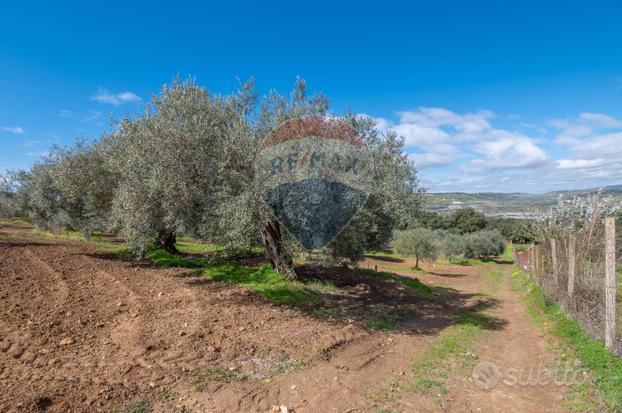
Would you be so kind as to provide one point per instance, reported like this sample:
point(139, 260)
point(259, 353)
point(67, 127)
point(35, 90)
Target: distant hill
point(511, 205)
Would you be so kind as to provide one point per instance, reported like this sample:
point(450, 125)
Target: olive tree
point(243, 216)
point(85, 183)
point(419, 243)
point(7, 197)
point(395, 197)
point(173, 163)
point(484, 244)
point(38, 196)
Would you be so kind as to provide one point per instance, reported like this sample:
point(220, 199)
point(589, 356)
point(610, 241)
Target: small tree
point(467, 220)
point(484, 244)
point(450, 244)
point(419, 243)
point(7, 197)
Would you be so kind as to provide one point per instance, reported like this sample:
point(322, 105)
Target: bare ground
point(83, 331)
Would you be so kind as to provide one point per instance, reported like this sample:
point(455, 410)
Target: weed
point(450, 353)
point(603, 391)
point(139, 406)
point(166, 394)
point(217, 375)
point(285, 365)
point(385, 322)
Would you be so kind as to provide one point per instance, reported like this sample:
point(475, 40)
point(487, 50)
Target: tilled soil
point(84, 331)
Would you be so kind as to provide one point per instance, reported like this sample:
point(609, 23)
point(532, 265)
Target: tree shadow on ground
point(384, 258)
point(374, 300)
point(446, 274)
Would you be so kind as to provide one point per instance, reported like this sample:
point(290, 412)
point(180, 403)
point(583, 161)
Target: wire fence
point(580, 272)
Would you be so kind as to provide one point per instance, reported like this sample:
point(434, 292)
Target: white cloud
point(18, 130)
point(116, 99)
point(418, 135)
point(510, 152)
point(468, 152)
point(579, 163)
point(599, 120)
point(439, 137)
point(65, 113)
point(432, 159)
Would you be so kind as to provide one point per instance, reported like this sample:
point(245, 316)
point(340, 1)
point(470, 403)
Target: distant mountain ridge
point(508, 204)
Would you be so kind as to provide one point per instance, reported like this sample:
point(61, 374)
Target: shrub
point(484, 244)
point(451, 245)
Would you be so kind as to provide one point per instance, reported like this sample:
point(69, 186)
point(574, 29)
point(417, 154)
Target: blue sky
point(490, 96)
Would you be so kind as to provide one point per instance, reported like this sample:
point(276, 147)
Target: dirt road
point(84, 331)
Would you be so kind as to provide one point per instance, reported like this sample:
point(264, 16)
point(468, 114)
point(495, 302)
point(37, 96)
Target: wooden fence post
point(532, 259)
point(572, 242)
point(610, 282)
point(554, 264)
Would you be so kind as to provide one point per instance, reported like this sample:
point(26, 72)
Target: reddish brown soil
point(82, 331)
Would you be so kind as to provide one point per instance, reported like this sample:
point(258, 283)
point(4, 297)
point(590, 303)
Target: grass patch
point(451, 353)
point(189, 245)
point(4, 317)
point(166, 394)
point(413, 283)
point(164, 258)
point(508, 255)
point(265, 281)
point(385, 322)
point(139, 406)
point(469, 261)
point(285, 365)
point(603, 391)
point(493, 278)
point(216, 375)
point(262, 280)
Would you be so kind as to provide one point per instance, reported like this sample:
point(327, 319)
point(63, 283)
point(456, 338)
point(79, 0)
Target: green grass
point(470, 261)
point(262, 280)
point(265, 281)
point(189, 245)
point(492, 278)
point(415, 284)
point(603, 392)
point(216, 375)
point(3, 317)
point(163, 258)
point(14, 222)
point(451, 353)
point(384, 322)
point(139, 406)
point(508, 255)
point(166, 394)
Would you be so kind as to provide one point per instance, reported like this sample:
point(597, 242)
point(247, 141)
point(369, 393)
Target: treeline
point(467, 220)
point(427, 245)
point(185, 166)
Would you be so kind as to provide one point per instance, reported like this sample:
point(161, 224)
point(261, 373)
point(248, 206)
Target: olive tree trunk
point(274, 249)
point(166, 240)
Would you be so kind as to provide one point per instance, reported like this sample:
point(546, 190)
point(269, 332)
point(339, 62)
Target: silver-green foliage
point(484, 244)
point(420, 243)
point(8, 208)
point(177, 162)
point(186, 166)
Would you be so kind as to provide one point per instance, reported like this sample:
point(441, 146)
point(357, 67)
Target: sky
point(490, 96)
